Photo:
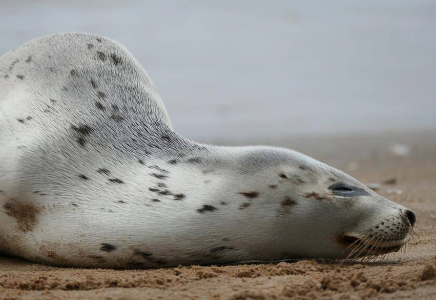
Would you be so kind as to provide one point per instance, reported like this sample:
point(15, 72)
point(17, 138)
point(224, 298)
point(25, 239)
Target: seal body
point(92, 174)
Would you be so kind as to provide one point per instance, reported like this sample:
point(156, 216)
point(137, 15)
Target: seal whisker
point(354, 252)
point(368, 245)
point(379, 240)
point(359, 246)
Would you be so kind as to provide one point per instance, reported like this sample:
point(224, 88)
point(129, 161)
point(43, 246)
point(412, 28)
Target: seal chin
point(370, 246)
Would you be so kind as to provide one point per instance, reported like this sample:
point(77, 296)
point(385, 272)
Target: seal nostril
point(411, 217)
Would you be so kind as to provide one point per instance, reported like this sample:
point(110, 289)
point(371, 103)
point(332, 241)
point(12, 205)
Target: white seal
point(93, 175)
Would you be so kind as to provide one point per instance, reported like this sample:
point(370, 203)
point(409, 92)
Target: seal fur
point(92, 174)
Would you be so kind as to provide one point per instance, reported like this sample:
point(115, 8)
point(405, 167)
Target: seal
point(92, 174)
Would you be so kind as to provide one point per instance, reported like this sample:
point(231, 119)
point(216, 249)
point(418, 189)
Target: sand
point(410, 273)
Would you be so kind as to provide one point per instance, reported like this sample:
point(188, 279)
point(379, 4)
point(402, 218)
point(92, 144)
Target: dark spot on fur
point(65, 88)
point(115, 59)
point(144, 254)
point(74, 204)
point(250, 195)
point(93, 84)
point(13, 64)
point(82, 129)
point(101, 56)
point(194, 160)
point(173, 161)
point(74, 72)
point(149, 257)
point(155, 200)
point(121, 201)
point(29, 118)
point(206, 208)
point(83, 177)
point(101, 95)
point(115, 107)
point(99, 105)
point(90, 46)
point(25, 215)
point(159, 176)
point(155, 167)
point(283, 176)
point(53, 101)
point(6, 76)
point(81, 141)
point(302, 167)
point(29, 59)
point(223, 203)
point(117, 118)
point(21, 121)
point(314, 195)
point(162, 185)
point(141, 161)
point(273, 186)
point(20, 77)
point(98, 40)
point(166, 138)
point(244, 205)
point(164, 192)
point(332, 179)
point(104, 171)
point(288, 201)
point(107, 247)
point(179, 196)
point(116, 180)
point(153, 190)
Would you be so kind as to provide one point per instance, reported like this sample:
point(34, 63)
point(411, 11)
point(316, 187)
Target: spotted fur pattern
point(93, 175)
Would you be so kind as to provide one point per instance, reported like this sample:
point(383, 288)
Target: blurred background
point(233, 71)
point(351, 83)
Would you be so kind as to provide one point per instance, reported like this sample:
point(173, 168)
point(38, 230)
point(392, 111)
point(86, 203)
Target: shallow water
point(252, 69)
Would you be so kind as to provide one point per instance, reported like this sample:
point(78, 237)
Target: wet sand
point(410, 273)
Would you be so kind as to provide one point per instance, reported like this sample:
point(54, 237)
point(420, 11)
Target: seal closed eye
point(91, 165)
point(345, 190)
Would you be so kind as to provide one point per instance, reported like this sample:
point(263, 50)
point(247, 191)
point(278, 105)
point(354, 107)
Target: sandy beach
point(407, 161)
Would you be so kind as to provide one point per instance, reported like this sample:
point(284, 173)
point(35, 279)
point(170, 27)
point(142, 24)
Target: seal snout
point(386, 235)
point(411, 217)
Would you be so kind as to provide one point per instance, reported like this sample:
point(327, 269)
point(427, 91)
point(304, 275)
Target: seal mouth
point(370, 246)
